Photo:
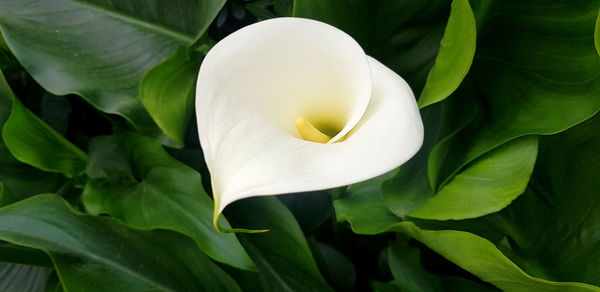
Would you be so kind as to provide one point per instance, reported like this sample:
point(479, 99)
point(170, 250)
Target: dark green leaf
point(99, 254)
point(20, 278)
point(410, 275)
point(7, 60)
point(454, 57)
point(410, 188)
point(10, 253)
point(364, 208)
point(487, 185)
point(405, 264)
point(19, 179)
point(554, 227)
point(135, 180)
point(537, 72)
point(32, 141)
point(167, 92)
point(481, 258)
point(391, 286)
point(597, 34)
point(337, 269)
point(282, 254)
point(100, 49)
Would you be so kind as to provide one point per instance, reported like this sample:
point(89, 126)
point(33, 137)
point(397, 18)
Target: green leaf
point(487, 185)
point(410, 275)
point(99, 254)
point(282, 255)
point(7, 60)
point(135, 180)
point(405, 264)
point(337, 269)
point(20, 278)
point(32, 141)
point(10, 253)
point(454, 57)
point(530, 82)
point(105, 47)
point(410, 188)
point(364, 208)
point(481, 258)
point(597, 34)
point(553, 228)
point(167, 91)
point(19, 179)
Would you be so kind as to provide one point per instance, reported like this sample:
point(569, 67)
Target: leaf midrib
point(144, 24)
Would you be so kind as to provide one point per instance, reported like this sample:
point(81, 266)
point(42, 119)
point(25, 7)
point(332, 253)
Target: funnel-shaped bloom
point(292, 105)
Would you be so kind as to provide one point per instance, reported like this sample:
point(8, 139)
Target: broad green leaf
point(469, 251)
point(481, 258)
point(21, 278)
point(454, 57)
point(281, 254)
point(167, 92)
point(391, 286)
point(364, 208)
point(7, 60)
point(410, 275)
point(337, 269)
point(553, 228)
point(32, 141)
point(409, 189)
point(5, 196)
point(487, 185)
point(99, 254)
point(100, 49)
point(403, 34)
point(19, 179)
point(530, 82)
point(135, 180)
point(10, 253)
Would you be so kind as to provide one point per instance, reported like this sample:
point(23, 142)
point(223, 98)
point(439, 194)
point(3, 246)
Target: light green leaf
point(481, 258)
point(100, 49)
point(530, 82)
point(364, 208)
point(487, 185)
point(282, 255)
point(32, 141)
point(167, 92)
point(135, 180)
point(19, 179)
point(454, 57)
point(99, 254)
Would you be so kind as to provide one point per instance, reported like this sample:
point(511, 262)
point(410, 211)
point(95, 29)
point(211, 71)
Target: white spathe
point(253, 86)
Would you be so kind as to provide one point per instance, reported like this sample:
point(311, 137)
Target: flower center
point(309, 132)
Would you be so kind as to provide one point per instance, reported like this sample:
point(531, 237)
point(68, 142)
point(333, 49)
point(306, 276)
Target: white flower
point(261, 90)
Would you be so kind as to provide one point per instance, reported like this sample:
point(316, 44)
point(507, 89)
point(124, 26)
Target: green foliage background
point(104, 187)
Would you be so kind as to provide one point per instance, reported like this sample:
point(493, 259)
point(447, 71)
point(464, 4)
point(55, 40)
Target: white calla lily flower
point(292, 105)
